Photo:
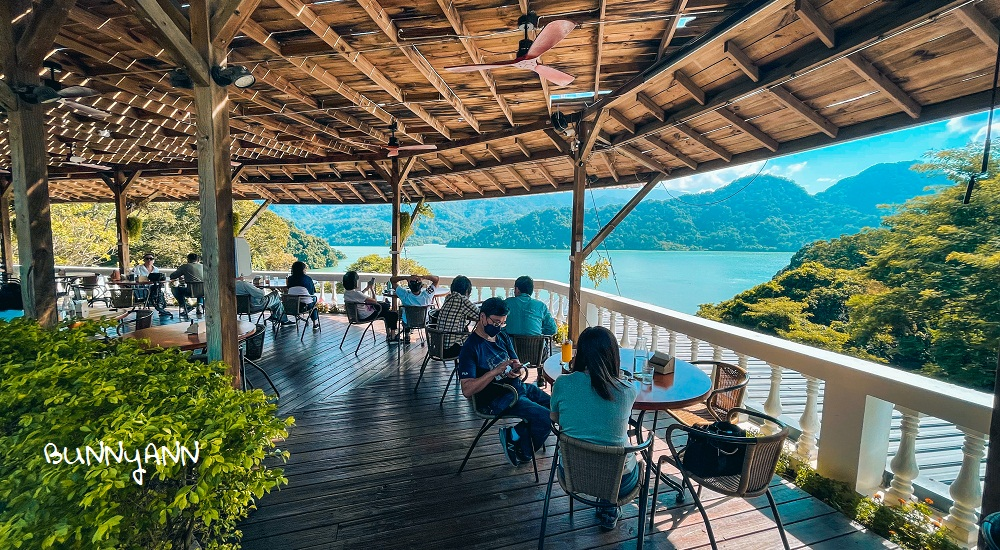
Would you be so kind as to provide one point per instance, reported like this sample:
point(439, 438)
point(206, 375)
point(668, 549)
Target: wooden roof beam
point(430, 187)
point(623, 120)
point(519, 178)
point(807, 14)
point(788, 100)
point(556, 140)
point(447, 163)
point(469, 158)
point(471, 183)
point(416, 188)
point(494, 153)
point(455, 19)
point(599, 49)
point(352, 189)
point(228, 18)
point(378, 191)
point(449, 185)
point(170, 28)
point(486, 165)
point(423, 165)
point(642, 159)
point(873, 76)
point(649, 105)
point(690, 87)
point(321, 28)
point(311, 193)
point(493, 180)
point(672, 151)
point(378, 14)
point(524, 148)
point(741, 60)
point(979, 24)
point(607, 164)
point(751, 130)
point(704, 141)
point(284, 189)
point(548, 176)
point(263, 192)
point(672, 24)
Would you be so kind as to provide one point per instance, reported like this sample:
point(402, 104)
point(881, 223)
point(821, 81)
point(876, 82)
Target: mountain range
point(761, 212)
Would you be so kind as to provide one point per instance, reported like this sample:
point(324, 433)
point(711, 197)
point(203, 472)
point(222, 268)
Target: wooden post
point(397, 185)
point(216, 195)
point(118, 184)
point(576, 257)
point(6, 243)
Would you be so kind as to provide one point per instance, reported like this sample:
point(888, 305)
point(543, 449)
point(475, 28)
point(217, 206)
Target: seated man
point(260, 301)
point(192, 272)
point(414, 294)
point(368, 307)
point(482, 368)
point(528, 316)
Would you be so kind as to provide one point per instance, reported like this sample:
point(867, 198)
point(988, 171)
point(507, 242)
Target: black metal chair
point(351, 309)
point(91, 289)
point(588, 472)
point(436, 351)
point(415, 319)
point(301, 311)
point(243, 308)
point(490, 419)
point(196, 292)
point(532, 350)
point(252, 351)
point(760, 458)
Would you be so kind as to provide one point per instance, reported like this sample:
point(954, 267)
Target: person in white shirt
point(143, 270)
point(368, 307)
point(141, 273)
point(414, 294)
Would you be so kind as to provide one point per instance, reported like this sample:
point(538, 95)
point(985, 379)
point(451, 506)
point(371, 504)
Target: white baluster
point(561, 317)
point(904, 465)
point(809, 422)
point(966, 492)
point(493, 292)
point(624, 341)
point(550, 301)
point(716, 352)
point(772, 406)
point(695, 344)
point(613, 322)
point(640, 329)
point(656, 337)
point(672, 345)
point(479, 294)
point(600, 316)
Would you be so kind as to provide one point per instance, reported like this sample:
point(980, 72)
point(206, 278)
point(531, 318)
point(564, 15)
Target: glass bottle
point(641, 351)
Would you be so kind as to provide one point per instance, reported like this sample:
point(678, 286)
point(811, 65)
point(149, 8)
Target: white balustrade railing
point(849, 402)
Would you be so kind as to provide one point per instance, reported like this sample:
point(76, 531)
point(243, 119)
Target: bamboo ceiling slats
point(742, 81)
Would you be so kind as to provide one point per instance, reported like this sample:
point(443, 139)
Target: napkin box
point(662, 363)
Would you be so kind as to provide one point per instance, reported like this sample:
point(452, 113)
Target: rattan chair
point(436, 351)
point(759, 462)
point(588, 472)
point(301, 311)
point(196, 293)
point(532, 350)
point(489, 420)
point(253, 350)
point(351, 309)
point(728, 390)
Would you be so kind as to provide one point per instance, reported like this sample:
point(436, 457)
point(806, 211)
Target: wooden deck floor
point(373, 466)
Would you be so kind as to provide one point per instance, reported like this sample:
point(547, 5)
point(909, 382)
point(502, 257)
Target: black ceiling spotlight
point(559, 121)
point(179, 78)
point(233, 74)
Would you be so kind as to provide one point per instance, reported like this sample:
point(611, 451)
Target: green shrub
point(67, 388)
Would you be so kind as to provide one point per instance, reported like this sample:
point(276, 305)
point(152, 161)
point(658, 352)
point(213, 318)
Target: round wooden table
point(173, 335)
point(686, 386)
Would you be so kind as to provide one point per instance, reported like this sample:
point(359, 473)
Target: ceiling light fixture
point(233, 74)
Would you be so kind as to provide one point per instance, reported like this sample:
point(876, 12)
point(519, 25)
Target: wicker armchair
point(759, 462)
point(353, 318)
point(588, 472)
point(252, 351)
point(729, 388)
point(437, 352)
point(489, 420)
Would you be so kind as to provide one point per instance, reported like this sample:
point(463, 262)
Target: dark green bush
point(71, 389)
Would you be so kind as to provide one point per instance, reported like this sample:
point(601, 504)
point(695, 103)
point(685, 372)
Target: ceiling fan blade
point(484, 67)
point(393, 152)
point(549, 37)
point(85, 109)
point(554, 76)
point(77, 91)
point(425, 147)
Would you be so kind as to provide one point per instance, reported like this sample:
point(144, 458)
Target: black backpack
point(10, 296)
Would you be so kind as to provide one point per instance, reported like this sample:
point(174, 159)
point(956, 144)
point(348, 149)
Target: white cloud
point(826, 180)
point(712, 180)
point(960, 125)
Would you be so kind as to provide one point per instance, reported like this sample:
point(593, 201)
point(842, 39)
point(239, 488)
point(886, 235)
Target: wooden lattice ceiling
point(739, 82)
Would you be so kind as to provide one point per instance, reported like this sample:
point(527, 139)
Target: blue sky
point(820, 168)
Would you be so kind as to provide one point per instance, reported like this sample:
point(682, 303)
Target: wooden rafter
point(623, 120)
point(672, 151)
point(704, 141)
point(690, 87)
point(493, 181)
point(742, 60)
point(788, 100)
point(873, 76)
point(649, 105)
point(642, 159)
point(807, 14)
point(979, 24)
point(548, 176)
point(43, 23)
point(229, 18)
point(748, 128)
point(607, 164)
point(321, 28)
point(599, 49)
point(519, 178)
point(161, 17)
point(378, 14)
point(455, 19)
point(522, 147)
point(672, 24)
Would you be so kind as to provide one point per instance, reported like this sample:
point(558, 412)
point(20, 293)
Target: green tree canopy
point(373, 263)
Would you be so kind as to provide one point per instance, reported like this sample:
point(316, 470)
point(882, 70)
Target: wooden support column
point(576, 256)
point(216, 195)
point(6, 243)
point(26, 34)
point(396, 185)
point(119, 183)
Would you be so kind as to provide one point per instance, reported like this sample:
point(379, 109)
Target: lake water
point(676, 280)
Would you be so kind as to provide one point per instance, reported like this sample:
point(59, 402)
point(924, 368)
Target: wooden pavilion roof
point(739, 82)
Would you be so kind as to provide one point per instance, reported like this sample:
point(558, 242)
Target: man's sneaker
point(608, 518)
point(508, 446)
point(522, 456)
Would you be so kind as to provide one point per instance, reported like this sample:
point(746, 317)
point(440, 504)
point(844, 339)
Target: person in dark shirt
point(300, 284)
point(483, 371)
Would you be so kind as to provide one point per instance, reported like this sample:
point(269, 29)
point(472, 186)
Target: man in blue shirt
point(528, 316)
point(488, 368)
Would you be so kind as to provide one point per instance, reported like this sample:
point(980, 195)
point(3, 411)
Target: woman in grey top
point(593, 404)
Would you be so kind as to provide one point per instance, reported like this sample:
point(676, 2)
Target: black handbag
point(705, 457)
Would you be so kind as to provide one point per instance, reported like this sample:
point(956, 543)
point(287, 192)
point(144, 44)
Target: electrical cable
point(713, 203)
point(611, 265)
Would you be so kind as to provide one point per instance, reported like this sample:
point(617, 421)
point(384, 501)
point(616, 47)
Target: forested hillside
point(920, 293)
point(766, 213)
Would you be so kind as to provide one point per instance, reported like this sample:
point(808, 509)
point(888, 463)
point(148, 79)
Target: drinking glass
point(641, 351)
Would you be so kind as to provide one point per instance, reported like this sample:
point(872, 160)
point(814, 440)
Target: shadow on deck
point(373, 465)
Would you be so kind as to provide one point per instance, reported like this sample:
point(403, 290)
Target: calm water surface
point(675, 280)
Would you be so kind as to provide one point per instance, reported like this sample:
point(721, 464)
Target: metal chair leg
point(487, 424)
point(453, 374)
point(642, 506)
point(701, 508)
point(423, 366)
point(777, 518)
point(548, 495)
point(262, 371)
point(362, 339)
point(344, 339)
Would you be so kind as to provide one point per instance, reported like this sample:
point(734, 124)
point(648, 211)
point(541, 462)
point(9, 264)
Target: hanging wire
point(611, 265)
point(989, 130)
point(713, 203)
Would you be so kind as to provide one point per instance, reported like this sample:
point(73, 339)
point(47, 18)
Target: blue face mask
point(491, 330)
